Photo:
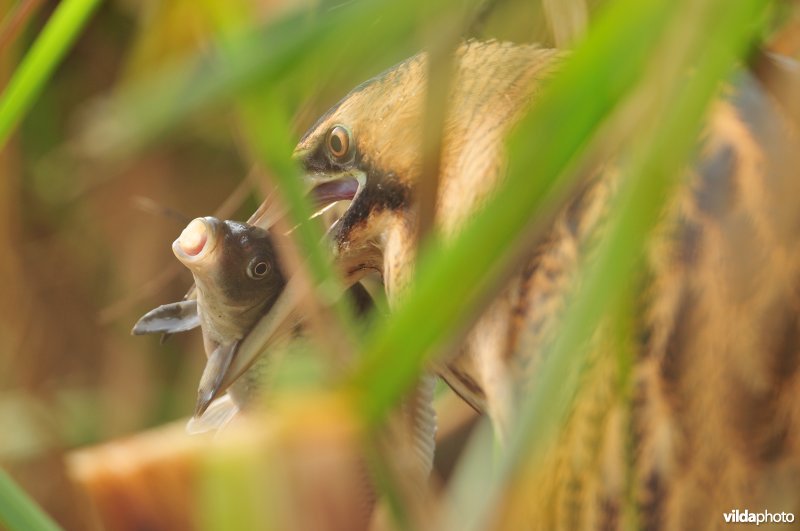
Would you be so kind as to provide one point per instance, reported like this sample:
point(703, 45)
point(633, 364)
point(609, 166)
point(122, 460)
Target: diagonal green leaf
point(50, 47)
point(18, 511)
point(296, 50)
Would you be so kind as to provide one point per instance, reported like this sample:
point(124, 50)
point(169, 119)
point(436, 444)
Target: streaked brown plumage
point(717, 400)
point(715, 425)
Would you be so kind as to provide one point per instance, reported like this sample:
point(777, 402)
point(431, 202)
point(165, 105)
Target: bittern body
point(713, 424)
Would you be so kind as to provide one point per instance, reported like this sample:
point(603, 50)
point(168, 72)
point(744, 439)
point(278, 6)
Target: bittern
point(713, 425)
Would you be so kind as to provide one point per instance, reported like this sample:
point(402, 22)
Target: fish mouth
point(324, 190)
point(197, 241)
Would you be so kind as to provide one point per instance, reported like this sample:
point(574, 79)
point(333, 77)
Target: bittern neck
point(376, 215)
point(399, 255)
point(383, 244)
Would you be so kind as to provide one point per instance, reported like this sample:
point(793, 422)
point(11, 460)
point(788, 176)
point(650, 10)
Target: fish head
point(236, 270)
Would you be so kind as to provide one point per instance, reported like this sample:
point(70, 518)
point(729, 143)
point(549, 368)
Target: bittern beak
point(326, 188)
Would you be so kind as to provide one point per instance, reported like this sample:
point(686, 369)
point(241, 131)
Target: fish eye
point(257, 269)
point(339, 142)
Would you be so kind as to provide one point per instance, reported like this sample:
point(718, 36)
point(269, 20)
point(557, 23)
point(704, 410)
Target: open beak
point(323, 189)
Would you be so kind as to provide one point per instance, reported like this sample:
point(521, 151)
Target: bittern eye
point(339, 141)
point(257, 270)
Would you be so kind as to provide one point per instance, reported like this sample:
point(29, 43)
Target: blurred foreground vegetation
point(161, 109)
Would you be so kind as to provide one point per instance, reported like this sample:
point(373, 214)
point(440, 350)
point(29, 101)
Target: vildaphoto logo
point(764, 517)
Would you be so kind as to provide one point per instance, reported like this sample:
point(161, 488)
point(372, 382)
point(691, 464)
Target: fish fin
point(169, 319)
point(213, 374)
point(219, 413)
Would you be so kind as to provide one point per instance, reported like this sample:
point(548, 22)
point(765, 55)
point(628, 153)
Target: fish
point(238, 278)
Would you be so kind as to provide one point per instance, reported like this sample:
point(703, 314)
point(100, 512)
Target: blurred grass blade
point(304, 45)
point(454, 279)
point(15, 20)
point(265, 121)
point(44, 56)
point(567, 20)
point(18, 512)
point(269, 138)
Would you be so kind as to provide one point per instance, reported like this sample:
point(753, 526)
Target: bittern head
point(368, 147)
point(366, 150)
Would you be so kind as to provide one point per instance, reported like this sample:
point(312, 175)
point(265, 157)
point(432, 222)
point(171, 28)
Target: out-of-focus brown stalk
point(568, 20)
point(440, 73)
point(15, 20)
point(299, 468)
